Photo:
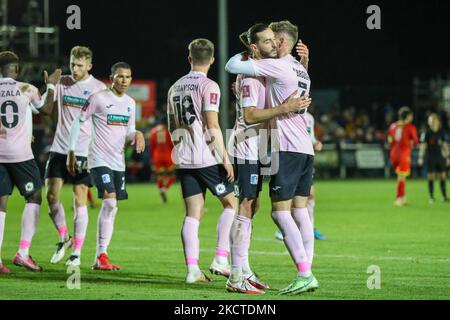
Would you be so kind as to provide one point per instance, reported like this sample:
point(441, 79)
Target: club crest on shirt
point(86, 93)
point(213, 98)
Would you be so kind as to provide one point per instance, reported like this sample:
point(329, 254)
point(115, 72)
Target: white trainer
point(73, 260)
point(220, 269)
point(61, 248)
point(197, 276)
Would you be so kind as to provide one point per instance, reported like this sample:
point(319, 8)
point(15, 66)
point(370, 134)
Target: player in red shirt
point(161, 156)
point(400, 136)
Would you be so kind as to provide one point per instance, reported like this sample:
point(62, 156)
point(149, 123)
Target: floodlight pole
point(223, 58)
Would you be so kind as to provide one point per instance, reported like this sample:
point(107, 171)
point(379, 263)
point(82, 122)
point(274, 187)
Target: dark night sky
point(153, 36)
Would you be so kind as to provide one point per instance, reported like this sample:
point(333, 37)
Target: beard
point(268, 54)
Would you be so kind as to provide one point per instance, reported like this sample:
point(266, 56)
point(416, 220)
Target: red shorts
point(402, 165)
point(163, 164)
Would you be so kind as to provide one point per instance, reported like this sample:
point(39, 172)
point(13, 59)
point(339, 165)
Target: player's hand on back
point(139, 141)
point(72, 165)
point(54, 77)
point(296, 104)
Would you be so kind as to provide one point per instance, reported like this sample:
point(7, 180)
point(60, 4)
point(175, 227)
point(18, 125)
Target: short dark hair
point(7, 57)
point(201, 51)
point(286, 27)
point(404, 112)
point(252, 33)
point(118, 65)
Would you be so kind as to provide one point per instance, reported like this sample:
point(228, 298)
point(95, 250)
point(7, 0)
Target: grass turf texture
point(409, 244)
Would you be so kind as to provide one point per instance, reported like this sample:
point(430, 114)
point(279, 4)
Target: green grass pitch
point(410, 245)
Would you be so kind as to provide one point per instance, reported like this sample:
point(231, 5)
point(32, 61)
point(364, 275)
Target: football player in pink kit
point(292, 153)
point(70, 96)
point(113, 117)
point(245, 145)
point(17, 164)
point(201, 158)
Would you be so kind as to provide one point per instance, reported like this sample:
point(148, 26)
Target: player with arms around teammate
point(400, 137)
point(113, 116)
point(434, 146)
point(17, 164)
point(70, 96)
point(292, 152)
point(161, 156)
point(201, 158)
point(249, 139)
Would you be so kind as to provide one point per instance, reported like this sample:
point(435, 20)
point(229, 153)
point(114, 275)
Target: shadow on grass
point(116, 278)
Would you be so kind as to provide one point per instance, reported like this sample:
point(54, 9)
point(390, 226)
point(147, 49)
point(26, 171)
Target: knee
point(35, 198)
point(230, 202)
point(52, 198)
point(109, 204)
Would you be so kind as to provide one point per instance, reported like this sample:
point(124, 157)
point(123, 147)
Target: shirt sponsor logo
point(254, 179)
point(213, 98)
point(73, 102)
point(106, 178)
point(246, 91)
point(117, 120)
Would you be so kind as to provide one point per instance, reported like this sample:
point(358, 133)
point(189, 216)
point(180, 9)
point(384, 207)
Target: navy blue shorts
point(24, 175)
point(247, 175)
point(196, 181)
point(294, 176)
point(110, 181)
point(56, 168)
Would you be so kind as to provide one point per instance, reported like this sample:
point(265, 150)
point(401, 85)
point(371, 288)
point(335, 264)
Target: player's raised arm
point(237, 65)
point(46, 105)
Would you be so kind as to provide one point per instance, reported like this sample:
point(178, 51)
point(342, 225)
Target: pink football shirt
point(244, 141)
point(188, 99)
point(71, 96)
point(285, 76)
point(15, 100)
point(112, 117)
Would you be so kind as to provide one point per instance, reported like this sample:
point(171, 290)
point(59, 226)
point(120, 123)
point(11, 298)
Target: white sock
point(193, 268)
point(236, 274)
point(222, 260)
